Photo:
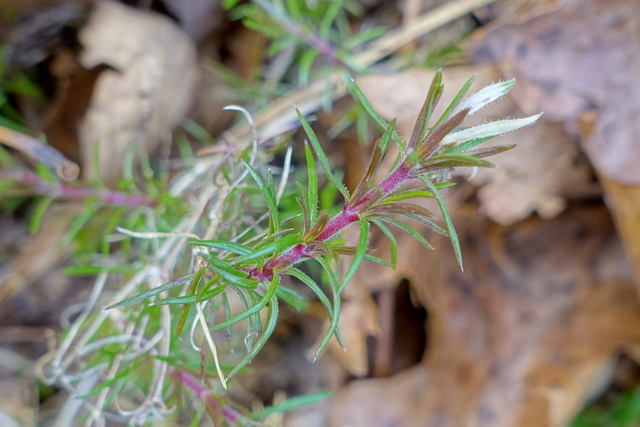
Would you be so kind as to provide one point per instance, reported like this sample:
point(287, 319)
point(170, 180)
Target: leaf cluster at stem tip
point(254, 269)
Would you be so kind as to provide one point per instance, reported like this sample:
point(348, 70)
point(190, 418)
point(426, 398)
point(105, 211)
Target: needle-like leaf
point(422, 123)
point(324, 162)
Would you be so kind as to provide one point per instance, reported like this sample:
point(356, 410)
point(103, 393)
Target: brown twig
point(37, 151)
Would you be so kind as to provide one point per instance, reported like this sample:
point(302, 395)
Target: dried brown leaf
point(522, 338)
point(579, 58)
point(146, 91)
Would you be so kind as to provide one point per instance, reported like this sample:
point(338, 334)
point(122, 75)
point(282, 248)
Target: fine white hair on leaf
point(488, 129)
point(485, 96)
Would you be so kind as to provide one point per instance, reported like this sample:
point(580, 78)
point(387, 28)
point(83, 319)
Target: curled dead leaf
point(143, 95)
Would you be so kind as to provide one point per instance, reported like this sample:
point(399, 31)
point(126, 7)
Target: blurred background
point(105, 104)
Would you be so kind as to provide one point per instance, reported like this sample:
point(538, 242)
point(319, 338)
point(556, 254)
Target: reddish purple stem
point(348, 216)
point(51, 189)
point(205, 395)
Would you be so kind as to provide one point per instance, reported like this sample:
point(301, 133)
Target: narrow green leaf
point(254, 319)
point(362, 127)
point(304, 206)
point(159, 289)
point(392, 240)
point(226, 307)
point(322, 297)
point(436, 136)
point(397, 207)
point(292, 9)
point(190, 299)
point(122, 374)
point(276, 247)
point(351, 251)
point(38, 213)
point(454, 103)
point(322, 248)
point(223, 245)
point(461, 148)
point(455, 160)
point(184, 313)
point(376, 117)
point(317, 228)
point(422, 123)
point(244, 296)
point(372, 258)
point(362, 191)
point(488, 151)
point(337, 302)
point(405, 194)
point(312, 184)
point(328, 19)
point(214, 292)
point(269, 195)
point(271, 290)
point(293, 403)
point(265, 237)
point(228, 4)
point(453, 235)
point(190, 361)
point(232, 275)
point(304, 66)
point(377, 155)
point(364, 36)
point(415, 212)
point(446, 161)
point(92, 270)
point(358, 257)
point(91, 207)
point(389, 131)
point(324, 162)
point(297, 301)
point(272, 320)
point(410, 231)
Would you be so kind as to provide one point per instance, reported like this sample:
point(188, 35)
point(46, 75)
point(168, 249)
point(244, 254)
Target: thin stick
point(35, 150)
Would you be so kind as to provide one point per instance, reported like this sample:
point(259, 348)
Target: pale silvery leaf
point(488, 130)
point(485, 96)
